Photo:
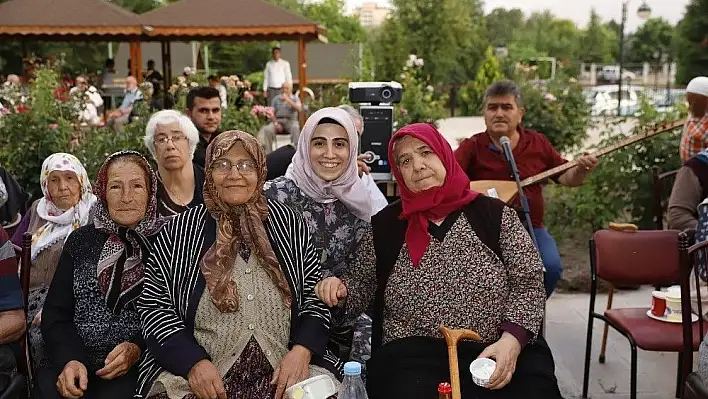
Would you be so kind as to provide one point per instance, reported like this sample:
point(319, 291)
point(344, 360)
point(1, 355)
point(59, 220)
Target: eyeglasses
point(162, 140)
point(224, 166)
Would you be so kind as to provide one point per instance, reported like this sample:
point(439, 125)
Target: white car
point(610, 73)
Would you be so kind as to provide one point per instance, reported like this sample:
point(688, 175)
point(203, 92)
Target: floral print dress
point(335, 234)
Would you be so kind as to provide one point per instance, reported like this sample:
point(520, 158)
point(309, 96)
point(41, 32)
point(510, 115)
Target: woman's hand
point(205, 381)
point(504, 352)
point(73, 380)
point(331, 290)
point(119, 361)
point(292, 369)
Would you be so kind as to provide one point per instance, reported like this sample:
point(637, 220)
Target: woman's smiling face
point(329, 151)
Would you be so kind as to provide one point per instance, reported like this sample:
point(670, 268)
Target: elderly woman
point(65, 207)
point(229, 308)
point(172, 138)
point(323, 184)
point(91, 325)
point(444, 255)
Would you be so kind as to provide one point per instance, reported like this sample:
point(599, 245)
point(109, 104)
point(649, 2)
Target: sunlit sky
point(579, 11)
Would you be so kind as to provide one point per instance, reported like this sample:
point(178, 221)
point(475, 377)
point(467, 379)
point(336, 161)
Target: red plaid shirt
point(695, 137)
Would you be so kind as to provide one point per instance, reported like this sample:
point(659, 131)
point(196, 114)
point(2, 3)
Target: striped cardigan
point(174, 285)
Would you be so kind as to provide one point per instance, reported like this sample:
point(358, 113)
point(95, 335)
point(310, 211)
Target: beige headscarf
point(236, 226)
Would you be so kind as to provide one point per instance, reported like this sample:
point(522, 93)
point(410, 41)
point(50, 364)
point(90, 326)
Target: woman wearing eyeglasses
point(229, 308)
point(172, 138)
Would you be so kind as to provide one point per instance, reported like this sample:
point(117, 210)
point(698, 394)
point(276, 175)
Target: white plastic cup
point(482, 370)
point(673, 306)
point(317, 387)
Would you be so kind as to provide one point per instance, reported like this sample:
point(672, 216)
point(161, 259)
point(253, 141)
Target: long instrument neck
point(623, 143)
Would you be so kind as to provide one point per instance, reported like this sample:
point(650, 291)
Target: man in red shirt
point(482, 159)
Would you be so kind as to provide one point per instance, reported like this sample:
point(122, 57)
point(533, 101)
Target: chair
point(23, 254)
point(695, 388)
point(648, 257)
point(661, 189)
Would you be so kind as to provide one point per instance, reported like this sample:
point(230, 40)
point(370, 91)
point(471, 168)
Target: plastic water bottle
point(352, 386)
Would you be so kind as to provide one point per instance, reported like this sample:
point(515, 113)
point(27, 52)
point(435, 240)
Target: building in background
point(371, 13)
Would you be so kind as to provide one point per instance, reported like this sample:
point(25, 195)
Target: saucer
point(694, 318)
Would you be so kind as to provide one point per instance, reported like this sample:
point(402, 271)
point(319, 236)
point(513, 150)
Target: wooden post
point(136, 60)
point(166, 79)
point(302, 75)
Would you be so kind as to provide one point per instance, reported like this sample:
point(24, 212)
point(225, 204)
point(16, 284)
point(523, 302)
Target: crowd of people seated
point(226, 272)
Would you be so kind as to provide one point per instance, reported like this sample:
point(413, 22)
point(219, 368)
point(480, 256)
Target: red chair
point(648, 257)
point(24, 259)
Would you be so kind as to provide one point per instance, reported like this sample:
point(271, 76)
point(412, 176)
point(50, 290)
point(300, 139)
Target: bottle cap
point(444, 387)
point(352, 368)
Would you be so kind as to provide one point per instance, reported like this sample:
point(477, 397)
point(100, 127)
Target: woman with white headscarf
point(324, 185)
point(65, 206)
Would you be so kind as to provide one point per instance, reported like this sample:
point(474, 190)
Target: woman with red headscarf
point(445, 255)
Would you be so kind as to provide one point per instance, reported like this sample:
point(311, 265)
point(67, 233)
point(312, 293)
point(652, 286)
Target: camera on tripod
point(376, 99)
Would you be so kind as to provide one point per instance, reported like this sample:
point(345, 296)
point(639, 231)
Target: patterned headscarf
point(61, 222)
point(120, 266)
point(348, 187)
point(237, 226)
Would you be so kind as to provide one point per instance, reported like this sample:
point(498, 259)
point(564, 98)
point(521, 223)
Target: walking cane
point(451, 338)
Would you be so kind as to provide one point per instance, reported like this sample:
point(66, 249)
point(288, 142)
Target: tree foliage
point(652, 38)
point(598, 41)
point(692, 42)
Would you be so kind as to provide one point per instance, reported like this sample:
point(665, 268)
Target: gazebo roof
point(244, 19)
point(66, 18)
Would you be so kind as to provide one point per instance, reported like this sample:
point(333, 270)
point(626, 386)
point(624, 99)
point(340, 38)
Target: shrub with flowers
point(420, 102)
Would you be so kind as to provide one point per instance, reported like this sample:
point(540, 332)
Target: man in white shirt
point(277, 71)
point(89, 100)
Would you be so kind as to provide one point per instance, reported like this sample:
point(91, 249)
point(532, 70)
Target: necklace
point(174, 194)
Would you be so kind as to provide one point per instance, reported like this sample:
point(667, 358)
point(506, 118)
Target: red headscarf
point(434, 203)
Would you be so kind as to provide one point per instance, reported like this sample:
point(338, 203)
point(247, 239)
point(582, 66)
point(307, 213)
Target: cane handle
point(451, 338)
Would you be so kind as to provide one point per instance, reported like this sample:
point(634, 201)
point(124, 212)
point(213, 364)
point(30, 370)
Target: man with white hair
point(172, 139)
point(695, 132)
point(121, 116)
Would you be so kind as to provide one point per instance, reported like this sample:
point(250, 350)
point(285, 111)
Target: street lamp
point(644, 12)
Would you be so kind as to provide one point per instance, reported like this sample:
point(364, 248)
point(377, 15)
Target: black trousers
point(123, 387)
point(411, 368)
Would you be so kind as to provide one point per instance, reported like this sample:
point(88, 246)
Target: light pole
point(644, 11)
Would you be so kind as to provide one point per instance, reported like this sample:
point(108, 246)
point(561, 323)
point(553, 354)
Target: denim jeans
point(550, 257)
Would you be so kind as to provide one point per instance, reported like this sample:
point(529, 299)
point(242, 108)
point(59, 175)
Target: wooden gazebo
point(238, 20)
point(68, 21)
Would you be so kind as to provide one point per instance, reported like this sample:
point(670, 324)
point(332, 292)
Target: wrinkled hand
point(292, 369)
point(119, 361)
point(73, 380)
point(587, 163)
point(37, 321)
point(205, 381)
point(331, 290)
point(505, 352)
point(278, 127)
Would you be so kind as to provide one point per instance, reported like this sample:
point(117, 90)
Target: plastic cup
point(482, 370)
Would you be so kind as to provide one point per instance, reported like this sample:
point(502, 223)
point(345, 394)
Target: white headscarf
point(348, 187)
point(60, 223)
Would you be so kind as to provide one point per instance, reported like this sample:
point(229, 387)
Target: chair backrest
point(636, 258)
point(661, 189)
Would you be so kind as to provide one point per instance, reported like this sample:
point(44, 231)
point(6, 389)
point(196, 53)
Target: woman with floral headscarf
point(65, 207)
point(324, 185)
point(91, 324)
point(445, 255)
point(229, 308)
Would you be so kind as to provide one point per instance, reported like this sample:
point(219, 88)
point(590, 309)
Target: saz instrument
point(506, 190)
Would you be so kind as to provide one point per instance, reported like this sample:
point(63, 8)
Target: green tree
point(502, 25)
point(654, 36)
point(450, 35)
point(471, 96)
point(692, 42)
point(389, 49)
point(598, 41)
point(341, 28)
